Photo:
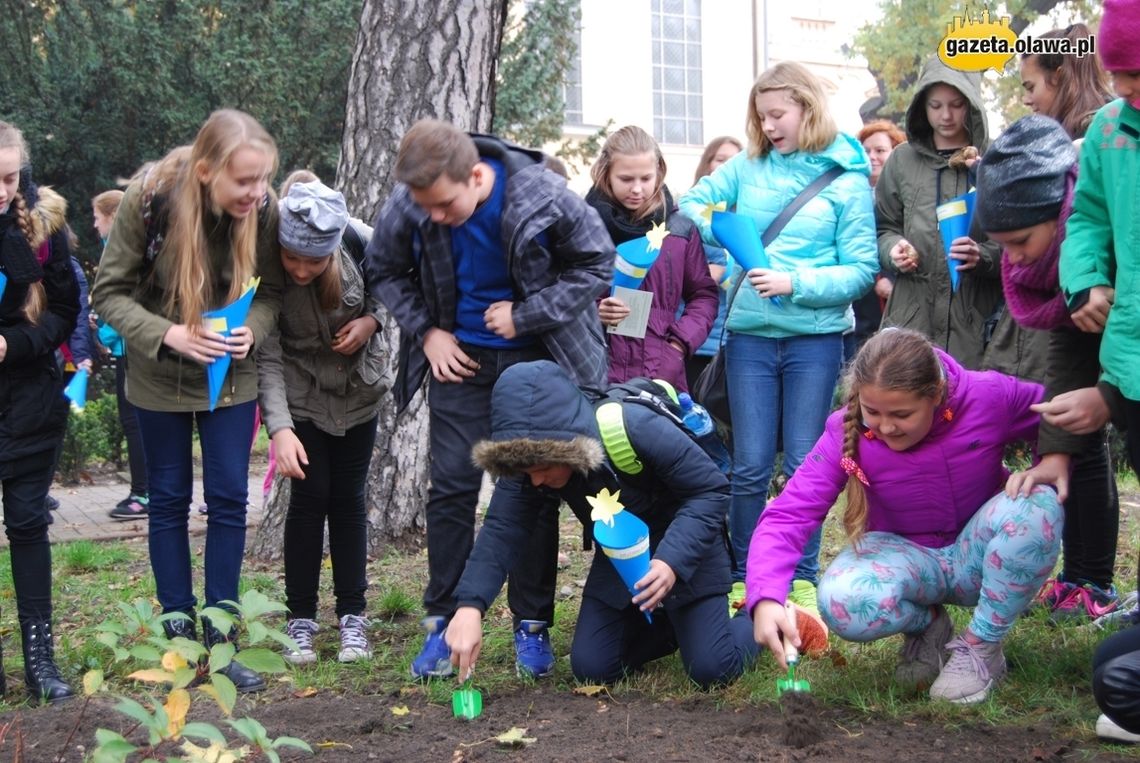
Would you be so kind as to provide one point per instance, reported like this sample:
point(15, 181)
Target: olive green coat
point(915, 180)
point(129, 294)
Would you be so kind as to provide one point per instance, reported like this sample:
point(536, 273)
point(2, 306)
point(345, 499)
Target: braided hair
point(894, 359)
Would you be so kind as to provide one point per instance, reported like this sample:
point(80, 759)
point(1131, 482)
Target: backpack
point(656, 394)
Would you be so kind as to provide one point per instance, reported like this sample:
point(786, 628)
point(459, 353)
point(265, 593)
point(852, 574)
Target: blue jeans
point(779, 389)
point(225, 435)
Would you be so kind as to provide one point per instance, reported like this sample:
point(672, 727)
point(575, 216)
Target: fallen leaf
point(333, 745)
point(177, 704)
point(400, 711)
point(592, 690)
point(173, 661)
point(308, 691)
point(154, 675)
point(515, 737)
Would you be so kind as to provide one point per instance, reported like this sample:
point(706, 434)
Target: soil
point(564, 727)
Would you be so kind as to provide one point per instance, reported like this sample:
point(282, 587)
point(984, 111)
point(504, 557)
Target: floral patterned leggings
point(998, 563)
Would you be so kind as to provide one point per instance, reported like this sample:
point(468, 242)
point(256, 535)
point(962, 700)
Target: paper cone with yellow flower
point(636, 256)
point(622, 536)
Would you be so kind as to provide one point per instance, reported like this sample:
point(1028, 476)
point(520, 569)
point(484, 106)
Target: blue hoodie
point(828, 247)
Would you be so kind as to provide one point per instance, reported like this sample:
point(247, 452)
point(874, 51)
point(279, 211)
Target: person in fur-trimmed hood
point(39, 301)
point(545, 441)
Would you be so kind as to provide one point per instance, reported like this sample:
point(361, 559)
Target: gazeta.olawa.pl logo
point(974, 43)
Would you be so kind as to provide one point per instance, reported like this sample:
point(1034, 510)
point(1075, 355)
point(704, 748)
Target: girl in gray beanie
point(1025, 196)
point(320, 389)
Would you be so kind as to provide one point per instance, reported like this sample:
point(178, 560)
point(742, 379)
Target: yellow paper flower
point(656, 236)
point(606, 506)
point(707, 212)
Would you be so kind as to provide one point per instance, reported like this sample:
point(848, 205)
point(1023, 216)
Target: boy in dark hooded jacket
point(545, 441)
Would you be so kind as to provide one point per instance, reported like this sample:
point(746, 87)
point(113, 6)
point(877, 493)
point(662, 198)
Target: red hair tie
point(853, 470)
point(948, 415)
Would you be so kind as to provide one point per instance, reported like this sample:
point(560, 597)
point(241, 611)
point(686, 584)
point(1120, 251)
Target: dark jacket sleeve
point(28, 342)
point(699, 291)
point(506, 529)
point(80, 342)
point(1073, 362)
point(392, 270)
point(583, 247)
point(691, 478)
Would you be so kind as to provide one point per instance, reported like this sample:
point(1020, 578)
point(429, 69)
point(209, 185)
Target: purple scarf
point(1033, 292)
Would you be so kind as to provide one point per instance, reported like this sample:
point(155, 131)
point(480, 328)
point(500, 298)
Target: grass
point(1048, 683)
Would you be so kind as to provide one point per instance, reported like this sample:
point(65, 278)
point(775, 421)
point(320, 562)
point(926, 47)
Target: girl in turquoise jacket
point(783, 356)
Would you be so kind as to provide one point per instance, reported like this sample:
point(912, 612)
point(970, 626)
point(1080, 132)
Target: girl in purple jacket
point(629, 194)
point(919, 448)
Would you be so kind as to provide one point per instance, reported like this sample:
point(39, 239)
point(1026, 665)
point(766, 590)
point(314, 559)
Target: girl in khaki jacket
point(188, 236)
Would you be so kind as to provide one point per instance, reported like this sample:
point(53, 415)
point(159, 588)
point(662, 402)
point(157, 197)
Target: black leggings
point(136, 456)
point(26, 525)
point(1092, 519)
point(333, 488)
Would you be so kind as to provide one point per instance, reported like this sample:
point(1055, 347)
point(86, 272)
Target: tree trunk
point(413, 60)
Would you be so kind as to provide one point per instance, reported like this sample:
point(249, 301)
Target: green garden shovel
point(792, 657)
point(467, 703)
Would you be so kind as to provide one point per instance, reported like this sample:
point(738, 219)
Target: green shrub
point(92, 436)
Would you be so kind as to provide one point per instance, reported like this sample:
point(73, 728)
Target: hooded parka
point(915, 180)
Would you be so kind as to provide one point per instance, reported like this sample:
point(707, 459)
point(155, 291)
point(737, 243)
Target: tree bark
point(413, 60)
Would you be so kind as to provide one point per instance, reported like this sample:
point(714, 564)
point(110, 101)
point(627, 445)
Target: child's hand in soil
point(770, 624)
point(464, 636)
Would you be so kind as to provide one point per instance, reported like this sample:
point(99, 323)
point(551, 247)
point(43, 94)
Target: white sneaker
point(1107, 729)
point(354, 639)
point(970, 673)
point(301, 630)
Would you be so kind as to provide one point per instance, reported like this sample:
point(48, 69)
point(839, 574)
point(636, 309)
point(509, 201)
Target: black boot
point(40, 671)
point(245, 680)
point(182, 626)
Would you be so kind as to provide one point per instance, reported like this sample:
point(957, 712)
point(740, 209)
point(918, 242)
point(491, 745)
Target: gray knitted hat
point(313, 217)
point(1021, 178)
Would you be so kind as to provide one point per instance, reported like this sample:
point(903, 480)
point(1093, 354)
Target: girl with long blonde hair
point(783, 355)
point(188, 236)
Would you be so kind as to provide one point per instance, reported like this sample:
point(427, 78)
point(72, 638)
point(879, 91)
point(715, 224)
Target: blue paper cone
point(3, 284)
point(626, 545)
point(954, 219)
point(739, 236)
point(224, 320)
point(634, 258)
point(76, 390)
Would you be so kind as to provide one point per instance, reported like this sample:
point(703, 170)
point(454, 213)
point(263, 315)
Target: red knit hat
point(1116, 38)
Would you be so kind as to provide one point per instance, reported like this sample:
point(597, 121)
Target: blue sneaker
point(434, 660)
point(534, 657)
